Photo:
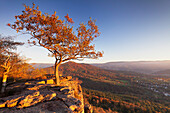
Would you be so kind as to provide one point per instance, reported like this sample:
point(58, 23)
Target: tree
point(57, 35)
point(8, 58)
point(8, 65)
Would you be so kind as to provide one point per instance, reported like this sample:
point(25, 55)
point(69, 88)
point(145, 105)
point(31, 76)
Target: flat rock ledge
point(44, 96)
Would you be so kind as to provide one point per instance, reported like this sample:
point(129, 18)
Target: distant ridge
point(163, 72)
point(147, 67)
point(41, 65)
point(142, 61)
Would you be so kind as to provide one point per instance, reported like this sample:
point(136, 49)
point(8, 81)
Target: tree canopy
point(58, 35)
point(7, 45)
point(12, 64)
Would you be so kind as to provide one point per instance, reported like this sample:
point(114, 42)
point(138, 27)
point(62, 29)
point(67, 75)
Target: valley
point(126, 90)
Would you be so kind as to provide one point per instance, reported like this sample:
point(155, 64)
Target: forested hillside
point(119, 90)
point(148, 67)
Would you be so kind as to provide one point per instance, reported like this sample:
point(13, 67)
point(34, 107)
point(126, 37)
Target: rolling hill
point(127, 91)
point(41, 65)
point(163, 72)
point(147, 67)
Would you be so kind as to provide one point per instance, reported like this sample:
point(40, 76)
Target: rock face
point(44, 97)
point(88, 108)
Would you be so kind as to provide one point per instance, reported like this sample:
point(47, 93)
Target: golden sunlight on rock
point(35, 97)
point(13, 102)
point(36, 87)
point(50, 81)
point(41, 82)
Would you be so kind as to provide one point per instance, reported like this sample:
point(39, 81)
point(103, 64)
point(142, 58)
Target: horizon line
point(104, 62)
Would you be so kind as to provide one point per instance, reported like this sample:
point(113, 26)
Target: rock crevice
point(44, 96)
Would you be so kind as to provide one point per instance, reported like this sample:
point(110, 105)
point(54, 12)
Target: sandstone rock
point(46, 107)
point(64, 79)
point(41, 82)
point(50, 81)
point(13, 102)
point(63, 96)
point(73, 107)
point(69, 77)
point(27, 83)
point(67, 90)
point(73, 103)
point(2, 104)
point(31, 100)
point(36, 87)
point(44, 98)
point(88, 108)
point(55, 88)
point(50, 97)
point(56, 106)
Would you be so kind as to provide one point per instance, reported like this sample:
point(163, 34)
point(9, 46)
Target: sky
point(131, 30)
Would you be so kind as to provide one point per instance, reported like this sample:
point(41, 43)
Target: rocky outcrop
point(44, 97)
point(88, 108)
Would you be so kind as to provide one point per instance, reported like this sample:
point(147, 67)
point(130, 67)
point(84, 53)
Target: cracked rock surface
point(44, 97)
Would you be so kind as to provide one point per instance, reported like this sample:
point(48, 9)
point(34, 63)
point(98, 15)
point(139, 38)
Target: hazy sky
point(131, 30)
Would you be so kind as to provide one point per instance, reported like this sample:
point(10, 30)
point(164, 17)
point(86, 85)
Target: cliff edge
point(43, 96)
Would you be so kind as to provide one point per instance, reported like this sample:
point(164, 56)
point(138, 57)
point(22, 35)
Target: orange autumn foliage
point(57, 35)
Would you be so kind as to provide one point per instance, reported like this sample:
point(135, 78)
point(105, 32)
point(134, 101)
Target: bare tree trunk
point(56, 73)
point(4, 80)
